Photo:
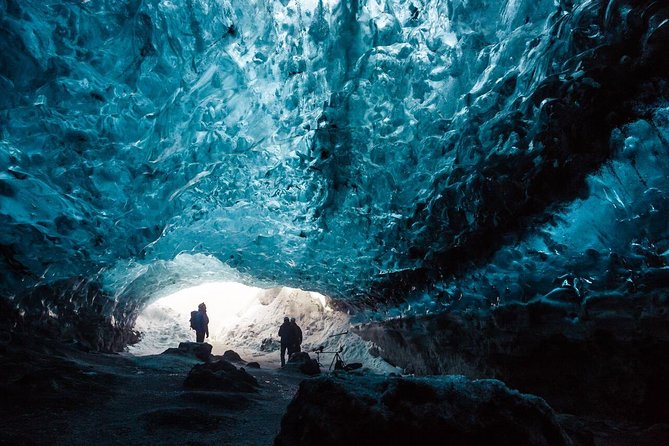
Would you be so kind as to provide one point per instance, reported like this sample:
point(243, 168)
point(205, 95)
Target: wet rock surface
point(397, 411)
point(607, 355)
point(220, 375)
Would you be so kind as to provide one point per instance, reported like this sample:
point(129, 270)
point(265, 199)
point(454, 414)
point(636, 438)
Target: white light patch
point(244, 319)
point(166, 322)
point(226, 302)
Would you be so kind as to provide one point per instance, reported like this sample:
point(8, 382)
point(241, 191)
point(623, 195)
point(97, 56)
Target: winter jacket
point(287, 334)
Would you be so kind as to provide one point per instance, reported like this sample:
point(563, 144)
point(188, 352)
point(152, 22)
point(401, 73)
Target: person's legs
point(283, 354)
point(199, 336)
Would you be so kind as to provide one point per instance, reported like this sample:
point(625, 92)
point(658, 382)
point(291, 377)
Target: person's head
point(286, 320)
point(202, 307)
point(292, 319)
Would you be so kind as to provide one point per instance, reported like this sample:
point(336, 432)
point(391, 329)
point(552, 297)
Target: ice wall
point(364, 149)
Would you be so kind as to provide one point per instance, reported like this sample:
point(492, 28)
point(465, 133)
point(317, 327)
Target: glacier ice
point(366, 149)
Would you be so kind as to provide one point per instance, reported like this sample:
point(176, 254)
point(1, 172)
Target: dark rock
point(199, 350)
point(310, 367)
point(578, 431)
point(39, 373)
point(232, 356)
point(654, 278)
point(270, 345)
point(253, 365)
point(299, 357)
point(302, 362)
point(398, 411)
point(220, 375)
point(608, 356)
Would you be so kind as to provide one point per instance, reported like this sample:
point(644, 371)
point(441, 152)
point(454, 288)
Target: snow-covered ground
point(242, 317)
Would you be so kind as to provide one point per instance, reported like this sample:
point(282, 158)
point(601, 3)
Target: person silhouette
point(297, 342)
point(201, 323)
point(287, 335)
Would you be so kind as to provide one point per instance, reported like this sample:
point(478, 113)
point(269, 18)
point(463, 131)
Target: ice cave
point(464, 205)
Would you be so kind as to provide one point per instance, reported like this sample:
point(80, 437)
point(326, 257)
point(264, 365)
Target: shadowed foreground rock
point(41, 373)
point(397, 411)
point(220, 375)
point(605, 356)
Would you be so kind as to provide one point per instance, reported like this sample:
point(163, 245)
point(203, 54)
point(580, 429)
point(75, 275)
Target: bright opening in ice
point(166, 320)
point(241, 317)
point(246, 319)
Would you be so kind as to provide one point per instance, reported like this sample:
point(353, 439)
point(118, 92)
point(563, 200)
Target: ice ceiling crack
point(368, 150)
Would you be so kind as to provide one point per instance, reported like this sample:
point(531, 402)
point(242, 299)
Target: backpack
point(194, 319)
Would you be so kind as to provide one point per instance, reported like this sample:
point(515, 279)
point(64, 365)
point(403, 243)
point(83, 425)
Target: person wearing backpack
point(199, 321)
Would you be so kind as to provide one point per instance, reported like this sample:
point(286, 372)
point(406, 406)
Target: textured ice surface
point(356, 148)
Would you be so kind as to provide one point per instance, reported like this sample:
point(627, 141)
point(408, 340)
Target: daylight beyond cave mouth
point(242, 318)
point(165, 322)
point(247, 319)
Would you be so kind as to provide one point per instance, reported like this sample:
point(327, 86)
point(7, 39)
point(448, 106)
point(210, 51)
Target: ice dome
point(347, 147)
point(471, 183)
point(376, 151)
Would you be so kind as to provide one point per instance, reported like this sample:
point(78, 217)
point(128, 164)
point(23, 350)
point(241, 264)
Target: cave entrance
point(242, 318)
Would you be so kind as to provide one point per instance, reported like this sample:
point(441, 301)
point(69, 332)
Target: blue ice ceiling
point(364, 149)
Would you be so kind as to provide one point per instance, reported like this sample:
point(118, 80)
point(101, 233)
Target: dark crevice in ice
point(606, 83)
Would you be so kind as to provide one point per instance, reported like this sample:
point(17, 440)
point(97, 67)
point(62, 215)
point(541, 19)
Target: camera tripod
point(337, 360)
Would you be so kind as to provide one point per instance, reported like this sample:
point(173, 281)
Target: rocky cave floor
point(57, 394)
point(69, 397)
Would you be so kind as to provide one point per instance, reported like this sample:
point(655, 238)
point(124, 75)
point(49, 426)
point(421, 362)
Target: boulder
point(199, 350)
point(302, 362)
point(346, 409)
point(607, 356)
point(269, 345)
point(253, 365)
point(220, 375)
point(232, 356)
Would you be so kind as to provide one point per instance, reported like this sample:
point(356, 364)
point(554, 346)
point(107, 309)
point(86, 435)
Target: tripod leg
point(339, 363)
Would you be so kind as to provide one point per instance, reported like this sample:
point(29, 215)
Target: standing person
point(199, 321)
point(287, 335)
point(298, 337)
